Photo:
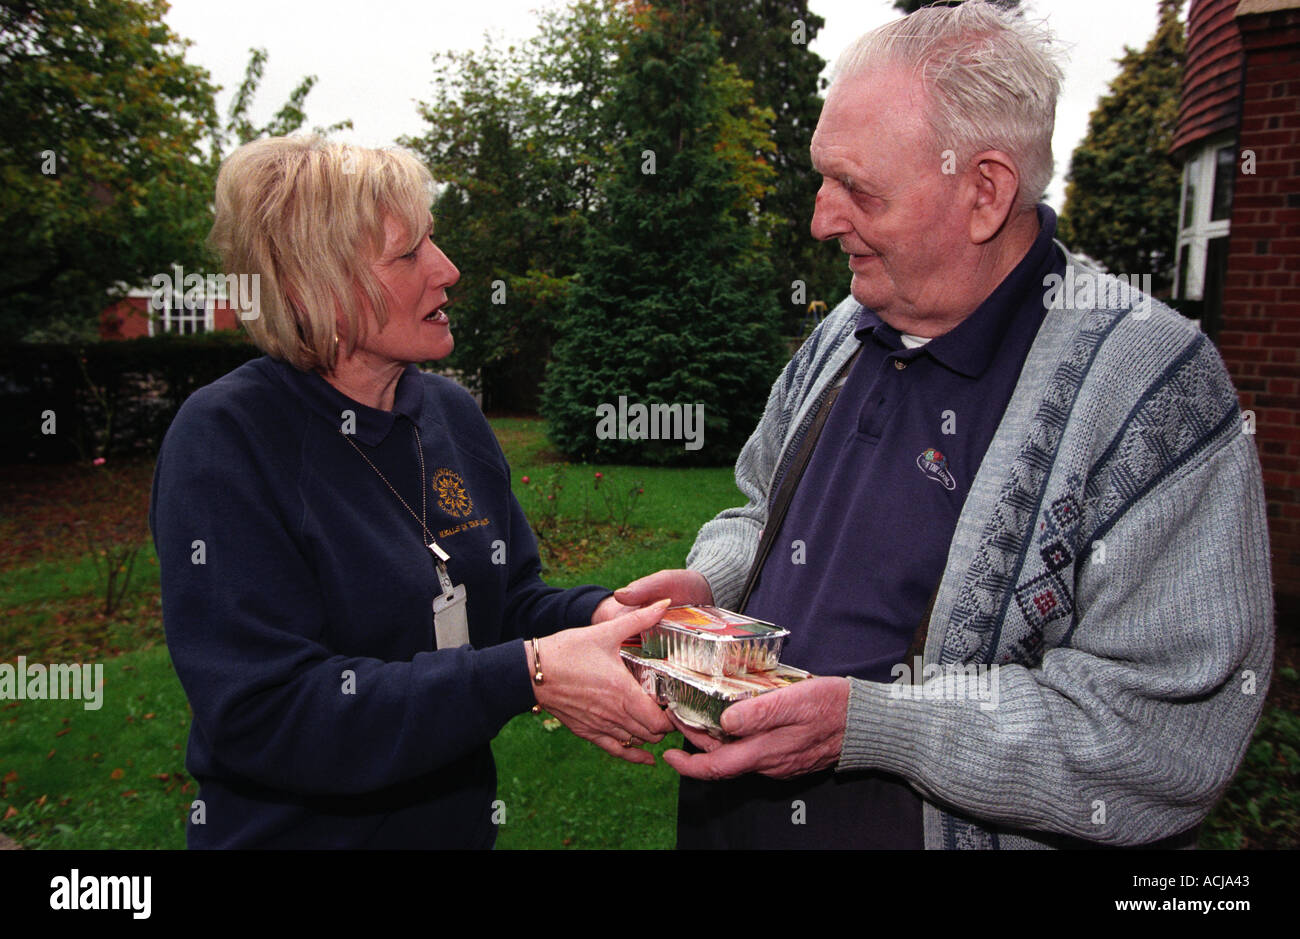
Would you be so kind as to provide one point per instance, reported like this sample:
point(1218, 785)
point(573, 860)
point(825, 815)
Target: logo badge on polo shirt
point(452, 497)
point(935, 465)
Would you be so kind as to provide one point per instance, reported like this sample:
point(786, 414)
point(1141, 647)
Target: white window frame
point(190, 316)
point(1199, 230)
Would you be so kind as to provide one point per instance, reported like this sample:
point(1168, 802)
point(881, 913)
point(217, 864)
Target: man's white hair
point(992, 81)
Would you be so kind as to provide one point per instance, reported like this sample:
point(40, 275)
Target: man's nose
point(828, 218)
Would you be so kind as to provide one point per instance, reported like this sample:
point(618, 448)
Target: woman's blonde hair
point(306, 217)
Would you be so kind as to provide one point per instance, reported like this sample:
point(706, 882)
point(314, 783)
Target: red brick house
point(131, 318)
point(1238, 138)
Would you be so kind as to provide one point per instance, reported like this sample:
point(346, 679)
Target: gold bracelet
point(537, 664)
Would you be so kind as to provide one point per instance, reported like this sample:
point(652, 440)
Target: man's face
point(885, 196)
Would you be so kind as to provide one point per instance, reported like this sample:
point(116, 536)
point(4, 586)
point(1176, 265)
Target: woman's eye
point(410, 255)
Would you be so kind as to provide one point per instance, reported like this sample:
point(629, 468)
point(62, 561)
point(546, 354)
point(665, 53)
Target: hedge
point(75, 402)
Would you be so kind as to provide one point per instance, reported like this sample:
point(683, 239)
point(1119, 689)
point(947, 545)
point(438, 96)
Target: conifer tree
point(671, 304)
point(1121, 194)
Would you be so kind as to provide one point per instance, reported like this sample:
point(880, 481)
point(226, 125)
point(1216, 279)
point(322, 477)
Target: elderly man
point(1032, 477)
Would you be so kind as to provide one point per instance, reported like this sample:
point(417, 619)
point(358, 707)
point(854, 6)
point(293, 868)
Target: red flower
point(525, 480)
point(600, 475)
point(98, 461)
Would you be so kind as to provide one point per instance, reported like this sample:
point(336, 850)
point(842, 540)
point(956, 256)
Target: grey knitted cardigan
point(1111, 558)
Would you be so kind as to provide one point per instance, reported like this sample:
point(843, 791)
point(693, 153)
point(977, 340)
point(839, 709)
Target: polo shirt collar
point(969, 348)
point(372, 425)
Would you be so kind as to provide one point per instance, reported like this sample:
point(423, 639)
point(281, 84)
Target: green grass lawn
point(115, 777)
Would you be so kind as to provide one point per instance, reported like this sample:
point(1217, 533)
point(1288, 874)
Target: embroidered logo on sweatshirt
point(935, 465)
point(452, 497)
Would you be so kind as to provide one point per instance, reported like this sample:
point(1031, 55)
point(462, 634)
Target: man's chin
point(867, 292)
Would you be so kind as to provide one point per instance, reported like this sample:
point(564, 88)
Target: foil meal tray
point(714, 641)
point(699, 700)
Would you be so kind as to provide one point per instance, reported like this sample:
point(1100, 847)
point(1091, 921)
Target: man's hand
point(679, 586)
point(784, 733)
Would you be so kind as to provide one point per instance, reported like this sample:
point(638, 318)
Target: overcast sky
point(373, 59)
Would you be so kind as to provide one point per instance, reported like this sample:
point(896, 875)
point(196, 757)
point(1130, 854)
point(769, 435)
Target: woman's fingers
point(624, 627)
point(632, 753)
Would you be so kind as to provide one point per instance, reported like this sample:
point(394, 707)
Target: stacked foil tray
point(713, 641)
point(699, 660)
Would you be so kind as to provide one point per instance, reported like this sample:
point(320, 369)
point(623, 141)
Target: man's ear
point(997, 182)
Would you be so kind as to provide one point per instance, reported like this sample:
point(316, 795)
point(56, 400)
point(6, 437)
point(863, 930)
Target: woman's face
point(415, 283)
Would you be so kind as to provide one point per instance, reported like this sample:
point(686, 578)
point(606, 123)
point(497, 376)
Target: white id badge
point(450, 624)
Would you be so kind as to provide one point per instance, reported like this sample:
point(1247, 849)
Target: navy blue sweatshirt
point(297, 600)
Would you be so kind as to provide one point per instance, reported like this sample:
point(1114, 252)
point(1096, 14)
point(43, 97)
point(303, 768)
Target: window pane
point(1225, 170)
point(1189, 197)
point(1183, 258)
point(1216, 270)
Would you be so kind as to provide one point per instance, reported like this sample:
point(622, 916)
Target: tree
point(291, 116)
point(105, 176)
point(1121, 195)
point(672, 303)
point(517, 138)
point(109, 151)
point(768, 42)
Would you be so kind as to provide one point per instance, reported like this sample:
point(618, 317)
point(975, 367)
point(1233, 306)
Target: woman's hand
point(587, 686)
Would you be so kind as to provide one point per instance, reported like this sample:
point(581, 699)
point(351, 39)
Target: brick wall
point(1260, 339)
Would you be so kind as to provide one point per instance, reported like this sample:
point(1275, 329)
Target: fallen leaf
point(10, 776)
point(149, 716)
point(116, 774)
point(128, 793)
point(41, 800)
point(60, 733)
point(11, 813)
point(49, 755)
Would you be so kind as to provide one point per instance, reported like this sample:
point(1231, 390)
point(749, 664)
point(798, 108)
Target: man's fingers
point(733, 759)
point(632, 624)
point(753, 715)
point(644, 590)
point(697, 737)
point(681, 586)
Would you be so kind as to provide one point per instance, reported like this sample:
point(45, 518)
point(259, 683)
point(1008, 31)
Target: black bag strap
point(790, 482)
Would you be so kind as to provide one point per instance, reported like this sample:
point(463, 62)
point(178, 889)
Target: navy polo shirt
point(865, 541)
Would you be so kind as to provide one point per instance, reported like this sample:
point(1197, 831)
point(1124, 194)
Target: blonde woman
point(351, 593)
